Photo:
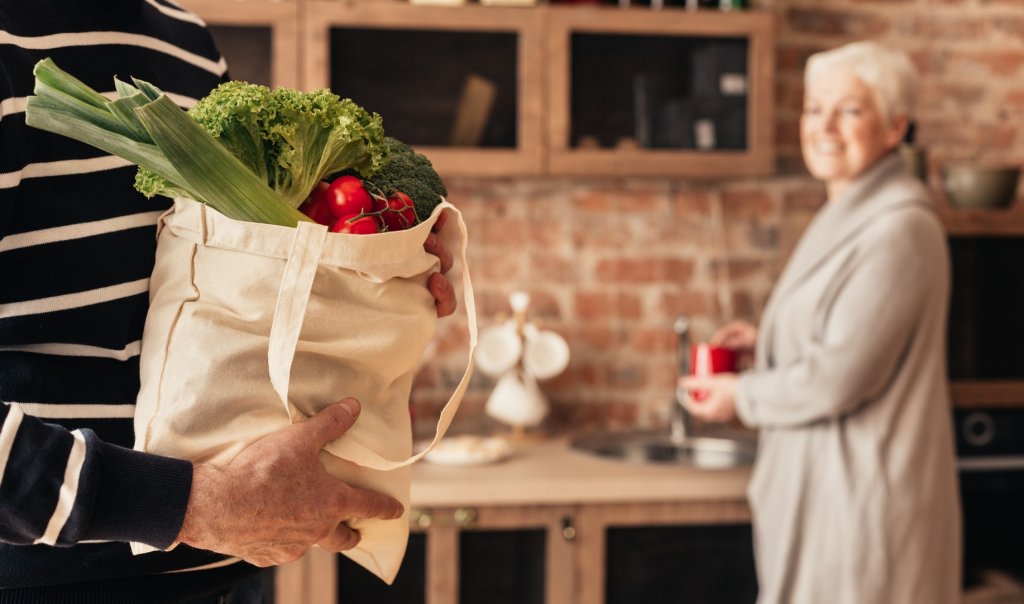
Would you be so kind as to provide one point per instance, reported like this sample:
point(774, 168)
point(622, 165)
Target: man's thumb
point(332, 421)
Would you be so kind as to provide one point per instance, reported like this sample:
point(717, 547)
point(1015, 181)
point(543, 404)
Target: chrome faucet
point(680, 424)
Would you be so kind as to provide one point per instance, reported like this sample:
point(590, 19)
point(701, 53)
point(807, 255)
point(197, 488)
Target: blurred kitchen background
point(625, 163)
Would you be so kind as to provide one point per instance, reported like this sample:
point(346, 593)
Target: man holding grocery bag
point(76, 254)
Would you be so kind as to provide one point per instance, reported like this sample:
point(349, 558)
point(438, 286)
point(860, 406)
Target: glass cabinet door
point(462, 85)
point(671, 92)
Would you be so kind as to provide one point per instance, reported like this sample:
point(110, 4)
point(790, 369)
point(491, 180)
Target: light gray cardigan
point(854, 492)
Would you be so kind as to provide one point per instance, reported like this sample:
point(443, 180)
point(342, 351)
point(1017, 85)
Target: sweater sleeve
point(60, 487)
point(870, 322)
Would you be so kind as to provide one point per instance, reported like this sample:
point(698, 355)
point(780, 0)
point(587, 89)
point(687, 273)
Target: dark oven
point(990, 445)
point(986, 367)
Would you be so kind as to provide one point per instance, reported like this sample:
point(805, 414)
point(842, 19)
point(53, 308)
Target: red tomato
point(347, 195)
point(367, 225)
point(316, 205)
point(401, 213)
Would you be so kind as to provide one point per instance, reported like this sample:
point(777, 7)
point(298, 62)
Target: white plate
point(469, 450)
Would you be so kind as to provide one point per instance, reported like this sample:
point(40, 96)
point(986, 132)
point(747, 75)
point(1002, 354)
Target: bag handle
point(450, 407)
point(293, 298)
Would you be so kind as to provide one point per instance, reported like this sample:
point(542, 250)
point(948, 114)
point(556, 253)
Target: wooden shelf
point(984, 393)
point(999, 222)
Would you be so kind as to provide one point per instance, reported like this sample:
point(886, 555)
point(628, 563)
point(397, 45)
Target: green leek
point(145, 127)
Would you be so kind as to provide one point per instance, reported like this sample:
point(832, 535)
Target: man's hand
point(275, 500)
point(439, 286)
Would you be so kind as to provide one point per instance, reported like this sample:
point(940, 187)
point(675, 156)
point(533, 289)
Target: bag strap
point(293, 297)
point(450, 407)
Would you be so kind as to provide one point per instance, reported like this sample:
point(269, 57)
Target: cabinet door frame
point(282, 17)
point(527, 158)
point(756, 27)
point(443, 546)
point(593, 521)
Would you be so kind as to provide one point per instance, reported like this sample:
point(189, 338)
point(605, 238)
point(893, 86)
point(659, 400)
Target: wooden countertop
point(549, 472)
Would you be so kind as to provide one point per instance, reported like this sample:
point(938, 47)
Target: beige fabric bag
point(253, 326)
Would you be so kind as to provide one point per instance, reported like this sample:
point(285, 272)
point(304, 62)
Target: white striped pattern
point(108, 38)
point(75, 300)
point(64, 411)
point(180, 14)
point(62, 168)
point(218, 564)
point(68, 491)
point(7, 433)
point(78, 230)
point(79, 350)
point(12, 105)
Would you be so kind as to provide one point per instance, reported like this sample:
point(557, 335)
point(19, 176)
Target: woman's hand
point(717, 396)
point(740, 336)
point(439, 286)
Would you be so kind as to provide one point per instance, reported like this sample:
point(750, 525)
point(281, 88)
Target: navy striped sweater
point(77, 246)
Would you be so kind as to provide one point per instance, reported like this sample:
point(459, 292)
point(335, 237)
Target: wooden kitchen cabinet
point(497, 92)
point(555, 526)
point(412, 64)
point(670, 93)
point(585, 554)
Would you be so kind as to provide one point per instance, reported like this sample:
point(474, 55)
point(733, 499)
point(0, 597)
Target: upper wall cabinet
point(671, 92)
point(461, 84)
point(493, 91)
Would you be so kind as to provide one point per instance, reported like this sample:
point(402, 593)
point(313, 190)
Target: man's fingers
point(434, 245)
point(441, 219)
point(341, 538)
point(444, 295)
point(332, 421)
point(355, 502)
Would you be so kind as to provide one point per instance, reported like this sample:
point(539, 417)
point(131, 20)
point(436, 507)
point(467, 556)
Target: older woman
point(854, 493)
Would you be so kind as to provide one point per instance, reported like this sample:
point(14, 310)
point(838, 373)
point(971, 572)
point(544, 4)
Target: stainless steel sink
point(659, 447)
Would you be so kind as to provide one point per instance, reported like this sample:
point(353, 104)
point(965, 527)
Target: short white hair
point(886, 71)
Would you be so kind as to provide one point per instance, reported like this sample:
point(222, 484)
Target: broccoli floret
point(288, 138)
point(410, 173)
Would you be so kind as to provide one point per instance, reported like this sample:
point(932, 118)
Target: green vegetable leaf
point(211, 170)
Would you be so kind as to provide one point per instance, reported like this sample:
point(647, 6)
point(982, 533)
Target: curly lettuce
point(288, 138)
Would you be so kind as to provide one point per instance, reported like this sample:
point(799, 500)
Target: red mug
point(707, 360)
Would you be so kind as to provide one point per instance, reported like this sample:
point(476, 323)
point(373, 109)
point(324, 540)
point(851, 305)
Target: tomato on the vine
point(347, 196)
point(400, 213)
point(316, 205)
point(352, 224)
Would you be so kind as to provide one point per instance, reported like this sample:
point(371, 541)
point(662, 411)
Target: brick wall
point(610, 262)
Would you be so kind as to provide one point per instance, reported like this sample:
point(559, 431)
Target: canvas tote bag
point(255, 326)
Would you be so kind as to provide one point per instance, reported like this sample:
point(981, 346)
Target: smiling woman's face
point(842, 130)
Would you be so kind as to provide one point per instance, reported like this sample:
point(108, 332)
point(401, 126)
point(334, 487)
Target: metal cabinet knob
point(464, 517)
point(421, 517)
point(568, 530)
